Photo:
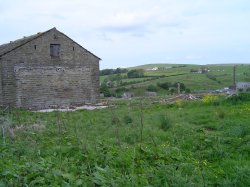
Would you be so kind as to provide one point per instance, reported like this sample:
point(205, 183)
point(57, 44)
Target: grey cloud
point(137, 30)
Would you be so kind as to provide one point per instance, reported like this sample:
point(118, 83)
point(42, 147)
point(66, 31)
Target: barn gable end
point(47, 69)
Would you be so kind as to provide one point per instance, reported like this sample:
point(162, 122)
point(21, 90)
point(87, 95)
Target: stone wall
point(59, 85)
point(1, 86)
point(7, 83)
point(31, 78)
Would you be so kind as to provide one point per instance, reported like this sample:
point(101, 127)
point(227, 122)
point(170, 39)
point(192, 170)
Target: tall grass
point(132, 143)
point(165, 122)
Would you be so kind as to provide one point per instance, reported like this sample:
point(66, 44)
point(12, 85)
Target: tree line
point(113, 71)
point(134, 73)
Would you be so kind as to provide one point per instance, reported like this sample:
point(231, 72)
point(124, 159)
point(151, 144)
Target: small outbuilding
point(242, 86)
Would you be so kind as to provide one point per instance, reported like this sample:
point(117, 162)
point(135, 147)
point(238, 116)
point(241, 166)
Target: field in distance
point(193, 77)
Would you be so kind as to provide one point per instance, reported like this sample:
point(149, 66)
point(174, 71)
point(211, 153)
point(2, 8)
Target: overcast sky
point(126, 33)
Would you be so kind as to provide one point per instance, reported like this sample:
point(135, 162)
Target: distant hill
point(194, 77)
point(166, 66)
point(163, 65)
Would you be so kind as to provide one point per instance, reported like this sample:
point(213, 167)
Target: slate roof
point(6, 48)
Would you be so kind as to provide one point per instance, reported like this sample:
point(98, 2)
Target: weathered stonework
point(32, 78)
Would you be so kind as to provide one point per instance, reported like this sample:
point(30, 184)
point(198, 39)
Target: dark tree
point(135, 73)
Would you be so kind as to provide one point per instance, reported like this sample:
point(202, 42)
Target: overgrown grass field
point(131, 143)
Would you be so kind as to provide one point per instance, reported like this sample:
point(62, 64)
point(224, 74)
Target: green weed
point(132, 143)
point(165, 122)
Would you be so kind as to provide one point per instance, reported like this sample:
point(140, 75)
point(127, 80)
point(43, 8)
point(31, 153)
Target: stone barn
point(47, 70)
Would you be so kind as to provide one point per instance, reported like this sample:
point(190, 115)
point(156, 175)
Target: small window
point(35, 47)
point(55, 37)
point(55, 50)
point(73, 48)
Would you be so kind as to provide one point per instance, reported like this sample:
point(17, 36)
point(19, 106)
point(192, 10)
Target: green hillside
point(150, 66)
point(194, 77)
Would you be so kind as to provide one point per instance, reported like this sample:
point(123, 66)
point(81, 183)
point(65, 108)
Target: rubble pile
point(185, 97)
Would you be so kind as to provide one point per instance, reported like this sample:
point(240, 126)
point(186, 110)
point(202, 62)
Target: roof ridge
point(32, 37)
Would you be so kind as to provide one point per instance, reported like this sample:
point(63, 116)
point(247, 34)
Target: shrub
point(238, 131)
point(179, 103)
point(194, 70)
point(172, 90)
point(244, 96)
point(188, 90)
point(182, 86)
point(212, 77)
point(209, 99)
point(164, 85)
point(127, 119)
point(120, 91)
point(241, 97)
point(220, 114)
point(105, 90)
point(165, 122)
point(135, 73)
point(152, 88)
point(112, 71)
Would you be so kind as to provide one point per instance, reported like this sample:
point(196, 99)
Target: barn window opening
point(35, 47)
point(55, 36)
point(55, 50)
